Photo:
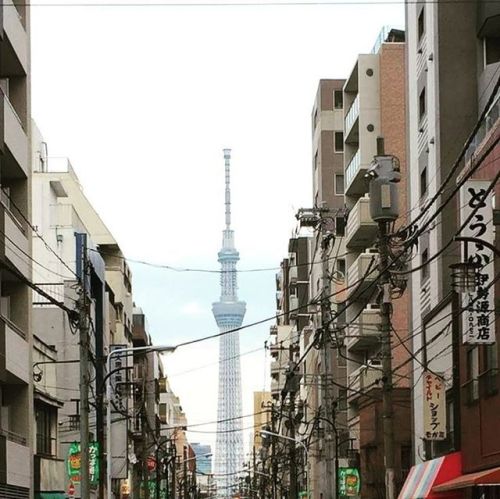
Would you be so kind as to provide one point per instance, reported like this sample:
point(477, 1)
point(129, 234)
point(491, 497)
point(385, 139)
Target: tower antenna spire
point(227, 161)
point(229, 313)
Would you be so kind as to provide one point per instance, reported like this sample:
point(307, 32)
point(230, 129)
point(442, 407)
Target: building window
point(491, 50)
point(338, 99)
point(341, 357)
point(340, 268)
point(471, 386)
point(46, 425)
point(425, 264)
point(342, 400)
point(421, 24)
point(340, 226)
point(422, 104)
point(339, 141)
point(339, 184)
point(488, 377)
point(423, 182)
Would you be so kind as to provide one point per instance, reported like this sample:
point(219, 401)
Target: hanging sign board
point(73, 462)
point(478, 321)
point(349, 482)
point(434, 407)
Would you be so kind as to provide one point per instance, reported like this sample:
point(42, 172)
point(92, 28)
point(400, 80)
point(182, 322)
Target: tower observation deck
point(228, 313)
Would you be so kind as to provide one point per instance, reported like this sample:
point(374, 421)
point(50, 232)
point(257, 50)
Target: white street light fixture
point(119, 352)
point(284, 437)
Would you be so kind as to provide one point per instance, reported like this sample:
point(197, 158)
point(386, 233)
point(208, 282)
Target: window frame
point(336, 191)
point(335, 134)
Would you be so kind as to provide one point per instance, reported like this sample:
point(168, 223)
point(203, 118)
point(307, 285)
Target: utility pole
point(274, 463)
point(84, 374)
point(323, 219)
point(384, 174)
point(327, 236)
point(184, 473)
point(254, 468)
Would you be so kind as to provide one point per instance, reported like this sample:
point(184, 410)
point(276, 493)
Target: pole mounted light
point(264, 433)
point(121, 352)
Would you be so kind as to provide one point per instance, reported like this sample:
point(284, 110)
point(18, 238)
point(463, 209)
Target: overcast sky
point(144, 99)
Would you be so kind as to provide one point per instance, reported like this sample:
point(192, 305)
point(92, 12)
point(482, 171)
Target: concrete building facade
point(374, 123)
point(16, 383)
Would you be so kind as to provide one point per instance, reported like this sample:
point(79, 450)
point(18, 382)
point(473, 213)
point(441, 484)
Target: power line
point(330, 3)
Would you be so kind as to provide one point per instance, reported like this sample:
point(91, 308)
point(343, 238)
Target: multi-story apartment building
point(16, 410)
point(453, 58)
point(66, 224)
point(325, 369)
point(374, 115)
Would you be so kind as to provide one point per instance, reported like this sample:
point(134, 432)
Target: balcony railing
point(353, 167)
point(362, 379)
point(13, 437)
point(366, 332)
point(361, 229)
point(351, 115)
point(489, 122)
point(55, 290)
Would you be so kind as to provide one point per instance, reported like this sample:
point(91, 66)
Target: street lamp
point(284, 437)
point(116, 353)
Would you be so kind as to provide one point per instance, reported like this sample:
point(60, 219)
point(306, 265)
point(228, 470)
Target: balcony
point(49, 473)
point(351, 118)
point(361, 230)
point(16, 242)
point(275, 387)
point(363, 379)
point(365, 333)
point(16, 454)
point(14, 47)
point(15, 353)
point(274, 350)
point(275, 369)
point(16, 161)
point(361, 275)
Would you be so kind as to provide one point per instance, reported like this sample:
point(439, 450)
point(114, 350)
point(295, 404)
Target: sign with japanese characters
point(73, 462)
point(349, 482)
point(434, 407)
point(478, 325)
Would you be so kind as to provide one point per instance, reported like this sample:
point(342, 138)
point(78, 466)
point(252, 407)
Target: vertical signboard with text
point(434, 407)
point(478, 326)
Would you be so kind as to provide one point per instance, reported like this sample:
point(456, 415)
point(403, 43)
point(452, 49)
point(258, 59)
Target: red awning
point(488, 477)
point(423, 477)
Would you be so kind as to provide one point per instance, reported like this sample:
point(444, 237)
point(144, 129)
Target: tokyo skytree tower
point(228, 313)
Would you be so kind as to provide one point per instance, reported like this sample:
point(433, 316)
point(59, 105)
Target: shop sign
point(434, 407)
point(73, 462)
point(349, 482)
point(151, 463)
point(478, 321)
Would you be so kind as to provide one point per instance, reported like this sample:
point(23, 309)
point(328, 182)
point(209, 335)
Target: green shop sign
point(73, 462)
point(349, 482)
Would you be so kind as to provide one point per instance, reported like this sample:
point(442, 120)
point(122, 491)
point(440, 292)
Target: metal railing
point(56, 290)
point(490, 120)
point(351, 115)
point(352, 168)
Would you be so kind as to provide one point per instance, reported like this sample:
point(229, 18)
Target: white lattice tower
point(228, 313)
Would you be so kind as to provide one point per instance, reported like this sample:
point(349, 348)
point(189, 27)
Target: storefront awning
point(488, 477)
point(424, 477)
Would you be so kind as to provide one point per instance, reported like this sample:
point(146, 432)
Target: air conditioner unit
point(374, 363)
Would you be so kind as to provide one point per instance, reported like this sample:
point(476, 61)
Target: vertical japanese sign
point(434, 407)
point(74, 462)
point(348, 482)
point(478, 325)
